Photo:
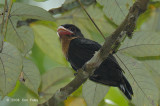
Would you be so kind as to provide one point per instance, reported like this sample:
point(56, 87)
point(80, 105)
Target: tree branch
point(69, 6)
point(126, 27)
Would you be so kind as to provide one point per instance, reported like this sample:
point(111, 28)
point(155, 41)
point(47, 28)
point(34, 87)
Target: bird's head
point(68, 31)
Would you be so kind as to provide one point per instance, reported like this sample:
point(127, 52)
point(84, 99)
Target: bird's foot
point(75, 74)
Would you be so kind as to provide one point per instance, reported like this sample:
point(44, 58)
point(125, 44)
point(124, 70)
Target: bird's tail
point(126, 88)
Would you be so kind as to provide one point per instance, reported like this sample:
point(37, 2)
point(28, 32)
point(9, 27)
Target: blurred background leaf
point(75, 101)
point(53, 80)
point(153, 20)
point(48, 42)
point(114, 97)
point(93, 92)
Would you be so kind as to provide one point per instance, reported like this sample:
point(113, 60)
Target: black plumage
point(80, 50)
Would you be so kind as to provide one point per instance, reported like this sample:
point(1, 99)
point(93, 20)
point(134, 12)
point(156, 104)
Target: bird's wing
point(81, 50)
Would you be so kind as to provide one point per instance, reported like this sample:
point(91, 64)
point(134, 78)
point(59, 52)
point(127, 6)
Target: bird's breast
point(65, 45)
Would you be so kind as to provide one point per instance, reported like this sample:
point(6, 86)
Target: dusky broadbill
point(78, 50)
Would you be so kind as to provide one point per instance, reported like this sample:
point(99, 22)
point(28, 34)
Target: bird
point(78, 50)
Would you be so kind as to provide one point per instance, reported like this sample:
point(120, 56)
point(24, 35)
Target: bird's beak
point(63, 31)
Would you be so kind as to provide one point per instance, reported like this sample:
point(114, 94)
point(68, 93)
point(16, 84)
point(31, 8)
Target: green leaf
point(10, 68)
point(156, 0)
point(152, 20)
point(3, 1)
point(153, 66)
point(115, 97)
point(32, 99)
point(38, 58)
point(4, 101)
point(19, 93)
point(21, 37)
point(13, 92)
point(93, 92)
point(47, 40)
point(142, 44)
point(29, 11)
point(144, 18)
point(144, 88)
point(116, 10)
point(53, 80)
point(31, 75)
point(40, 0)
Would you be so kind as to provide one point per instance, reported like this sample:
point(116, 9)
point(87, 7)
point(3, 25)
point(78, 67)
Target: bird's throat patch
point(65, 45)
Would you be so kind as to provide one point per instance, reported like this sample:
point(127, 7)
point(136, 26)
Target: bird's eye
point(72, 29)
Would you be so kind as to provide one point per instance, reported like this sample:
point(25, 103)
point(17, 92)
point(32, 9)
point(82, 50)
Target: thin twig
point(91, 19)
point(6, 22)
point(2, 37)
point(4, 11)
